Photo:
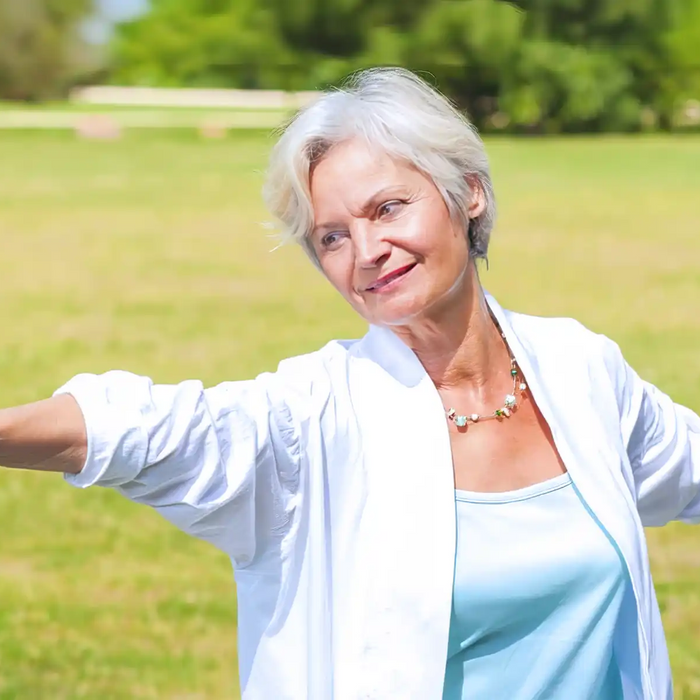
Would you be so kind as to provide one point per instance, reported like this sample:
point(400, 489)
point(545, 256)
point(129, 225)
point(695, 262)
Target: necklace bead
point(510, 401)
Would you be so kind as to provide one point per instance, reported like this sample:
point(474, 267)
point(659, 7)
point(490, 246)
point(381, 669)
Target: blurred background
point(539, 66)
point(133, 141)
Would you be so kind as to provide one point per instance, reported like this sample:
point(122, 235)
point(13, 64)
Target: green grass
point(148, 254)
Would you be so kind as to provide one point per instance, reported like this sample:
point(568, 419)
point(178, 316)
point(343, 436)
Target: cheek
point(444, 254)
point(339, 273)
point(436, 235)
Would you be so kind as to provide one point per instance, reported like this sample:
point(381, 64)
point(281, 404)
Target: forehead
point(352, 172)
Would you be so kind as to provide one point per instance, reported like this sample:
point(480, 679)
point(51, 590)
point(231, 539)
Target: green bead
point(514, 372)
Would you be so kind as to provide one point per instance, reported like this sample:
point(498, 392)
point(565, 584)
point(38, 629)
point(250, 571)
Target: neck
point(461, 344)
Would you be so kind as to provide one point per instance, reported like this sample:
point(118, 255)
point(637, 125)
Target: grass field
point(149, 254)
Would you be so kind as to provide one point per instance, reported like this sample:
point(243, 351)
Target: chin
point(396, 312)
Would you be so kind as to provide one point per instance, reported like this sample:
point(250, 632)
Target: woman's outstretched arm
point(222, 463)
point(48, 435)
point(663, 445)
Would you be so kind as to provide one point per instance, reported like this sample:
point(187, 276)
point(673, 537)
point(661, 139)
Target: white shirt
point(538, 594)
point(326, 480)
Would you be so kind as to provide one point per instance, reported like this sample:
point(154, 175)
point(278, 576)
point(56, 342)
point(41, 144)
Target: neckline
point(527, 492)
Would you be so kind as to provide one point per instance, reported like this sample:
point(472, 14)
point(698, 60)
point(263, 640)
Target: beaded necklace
point(509, 402)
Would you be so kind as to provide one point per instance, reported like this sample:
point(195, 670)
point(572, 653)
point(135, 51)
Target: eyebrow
point(370, 204)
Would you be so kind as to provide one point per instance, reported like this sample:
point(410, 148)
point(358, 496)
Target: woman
point(452, 506)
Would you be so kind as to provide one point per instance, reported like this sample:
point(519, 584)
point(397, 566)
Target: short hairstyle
point(398, 112)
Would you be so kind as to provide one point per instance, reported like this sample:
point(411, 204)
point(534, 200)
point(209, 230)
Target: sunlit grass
point(150, 254)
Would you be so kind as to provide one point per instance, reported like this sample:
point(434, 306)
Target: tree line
point(533, 66)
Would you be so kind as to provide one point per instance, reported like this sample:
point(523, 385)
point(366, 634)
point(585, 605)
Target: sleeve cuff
point(117, 444)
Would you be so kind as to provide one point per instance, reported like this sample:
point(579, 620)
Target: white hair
point(398, 112)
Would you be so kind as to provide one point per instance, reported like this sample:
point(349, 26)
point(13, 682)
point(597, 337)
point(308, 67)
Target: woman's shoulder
point(311, 374)
point(564, 351)
point(333, 353)
point(567, 337)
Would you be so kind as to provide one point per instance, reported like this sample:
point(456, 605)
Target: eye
point(332, 240)
point(389, 209)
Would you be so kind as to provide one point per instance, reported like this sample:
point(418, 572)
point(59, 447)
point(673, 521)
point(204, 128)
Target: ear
point(477, 205)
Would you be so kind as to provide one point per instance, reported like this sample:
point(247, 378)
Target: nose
point(371, 248)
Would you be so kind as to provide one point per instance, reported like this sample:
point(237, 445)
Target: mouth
point(390, 279)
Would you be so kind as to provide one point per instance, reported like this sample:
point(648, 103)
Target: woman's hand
point(48, 435)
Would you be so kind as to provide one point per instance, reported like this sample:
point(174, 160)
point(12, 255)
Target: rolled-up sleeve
point(663, 445)
point(220, 463)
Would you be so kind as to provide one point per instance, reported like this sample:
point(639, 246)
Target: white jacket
point(329, 484)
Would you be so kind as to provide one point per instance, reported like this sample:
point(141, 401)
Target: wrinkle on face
point(349, 187)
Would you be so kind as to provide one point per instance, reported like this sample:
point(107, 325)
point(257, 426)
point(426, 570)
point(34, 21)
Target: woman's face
point(384, 237)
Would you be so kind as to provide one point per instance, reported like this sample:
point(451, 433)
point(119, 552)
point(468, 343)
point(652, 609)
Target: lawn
point(151, 254)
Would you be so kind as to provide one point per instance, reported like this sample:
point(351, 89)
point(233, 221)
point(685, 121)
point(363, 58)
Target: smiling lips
point(383, 282)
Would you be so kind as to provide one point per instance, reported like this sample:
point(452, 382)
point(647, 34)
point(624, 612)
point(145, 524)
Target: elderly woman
point(450, 507)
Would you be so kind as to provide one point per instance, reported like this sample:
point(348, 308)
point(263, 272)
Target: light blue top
point(537, 594)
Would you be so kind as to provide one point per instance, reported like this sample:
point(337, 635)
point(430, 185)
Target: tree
point(203, 43)
point(41, 46)
point(520, 65)
point(679, 77)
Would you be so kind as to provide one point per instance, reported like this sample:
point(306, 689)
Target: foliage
point(525, 65)
point(530, 66)
point(41, 47)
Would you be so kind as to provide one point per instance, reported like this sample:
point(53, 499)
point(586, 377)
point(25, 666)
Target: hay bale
point(100, 127)
point(212, 129)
